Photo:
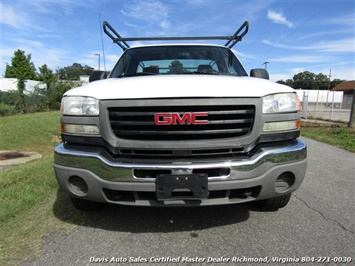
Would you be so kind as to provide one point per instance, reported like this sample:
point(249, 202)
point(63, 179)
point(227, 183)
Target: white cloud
point(111, 60)
point(40, 53)
point(18, 18)
point(146, 11)
point(302, 59)
point(285, 74)
point(151, 17)
point(243, 56)
point(278, 18)
point(343, 73)
point(49, 36)
point(341, 45)
point(12, 17)
point(165, 24)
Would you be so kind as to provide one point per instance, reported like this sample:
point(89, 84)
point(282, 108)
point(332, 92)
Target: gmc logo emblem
point(185, 119)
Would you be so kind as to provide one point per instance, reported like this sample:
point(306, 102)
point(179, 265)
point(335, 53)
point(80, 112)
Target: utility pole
point(265, 63)
point(329, 76)
point(99, 59)
point(352, 112)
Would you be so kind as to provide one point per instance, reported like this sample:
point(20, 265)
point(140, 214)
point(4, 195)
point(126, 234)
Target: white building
point(10, 84)
point(321, 96)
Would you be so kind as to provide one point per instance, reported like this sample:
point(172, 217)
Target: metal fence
point(330, 108)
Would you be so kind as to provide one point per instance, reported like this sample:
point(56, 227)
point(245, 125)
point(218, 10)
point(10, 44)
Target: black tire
point(273, 204)
point(85, 205)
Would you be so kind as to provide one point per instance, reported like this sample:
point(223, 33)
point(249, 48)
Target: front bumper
point(93, 175)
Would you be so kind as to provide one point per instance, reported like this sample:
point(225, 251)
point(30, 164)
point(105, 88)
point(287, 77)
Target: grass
point(336, 134)
point(30, 203)
point(32, 207)
point(38, 132)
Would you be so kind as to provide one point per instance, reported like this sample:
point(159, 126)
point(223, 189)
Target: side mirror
point(259, 73)
point(97, 75)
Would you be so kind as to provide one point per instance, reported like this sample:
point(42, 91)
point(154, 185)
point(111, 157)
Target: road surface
point(317, 225)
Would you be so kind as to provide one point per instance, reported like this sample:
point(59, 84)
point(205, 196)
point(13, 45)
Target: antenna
point(102, 43)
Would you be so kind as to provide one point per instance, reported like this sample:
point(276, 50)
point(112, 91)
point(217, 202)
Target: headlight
point(279, 103)
point(80, 106)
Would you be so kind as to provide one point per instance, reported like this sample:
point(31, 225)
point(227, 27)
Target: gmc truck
point(180, 125)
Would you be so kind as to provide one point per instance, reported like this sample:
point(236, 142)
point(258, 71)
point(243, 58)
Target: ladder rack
point(122, 42)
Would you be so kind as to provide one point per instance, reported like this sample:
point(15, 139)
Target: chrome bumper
point(260, 170)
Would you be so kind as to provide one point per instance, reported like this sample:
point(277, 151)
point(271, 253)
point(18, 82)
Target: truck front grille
point(223, 121)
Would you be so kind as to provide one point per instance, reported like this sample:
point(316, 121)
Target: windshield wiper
point(138, 74)
point(207, 72)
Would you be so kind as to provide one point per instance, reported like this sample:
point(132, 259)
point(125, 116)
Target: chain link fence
point(325, 105)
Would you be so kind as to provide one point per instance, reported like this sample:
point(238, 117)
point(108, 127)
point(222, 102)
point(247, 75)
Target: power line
point(315, 14)
point(306, 21)
point(265, 32)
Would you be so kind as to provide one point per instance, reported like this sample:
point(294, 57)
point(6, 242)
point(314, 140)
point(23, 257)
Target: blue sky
point(293, 36)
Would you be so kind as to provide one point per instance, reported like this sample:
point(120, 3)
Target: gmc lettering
point(175, 118)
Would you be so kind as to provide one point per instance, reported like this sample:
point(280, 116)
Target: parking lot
point(318, 225)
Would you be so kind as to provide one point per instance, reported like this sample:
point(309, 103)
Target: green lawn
point(29, 199)
point(38, 132)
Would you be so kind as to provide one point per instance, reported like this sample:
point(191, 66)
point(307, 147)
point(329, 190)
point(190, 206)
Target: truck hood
point(178, 86)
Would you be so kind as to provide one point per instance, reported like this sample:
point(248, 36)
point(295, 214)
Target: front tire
point(273, 204)
point(85, 205)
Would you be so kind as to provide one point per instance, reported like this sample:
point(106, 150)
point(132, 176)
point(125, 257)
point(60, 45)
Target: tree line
point(309, 81)
point(47, 97)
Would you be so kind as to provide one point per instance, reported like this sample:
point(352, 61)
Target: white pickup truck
point(180, 125)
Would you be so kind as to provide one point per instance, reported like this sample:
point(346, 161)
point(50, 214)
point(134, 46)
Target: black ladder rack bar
point(237, 38)
point(122, 42)
point(106, 25)
point(174, 38)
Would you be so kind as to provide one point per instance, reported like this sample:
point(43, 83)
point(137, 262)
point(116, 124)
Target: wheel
point(85, 205)
point(273, 204)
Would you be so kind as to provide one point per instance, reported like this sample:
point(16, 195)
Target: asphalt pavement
point(318, 225)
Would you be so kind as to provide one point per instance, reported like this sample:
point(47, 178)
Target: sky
point(291, 36)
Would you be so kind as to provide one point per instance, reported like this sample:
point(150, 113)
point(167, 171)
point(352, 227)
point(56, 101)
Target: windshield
point(181, 59)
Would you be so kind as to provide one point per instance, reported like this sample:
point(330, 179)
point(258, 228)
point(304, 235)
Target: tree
point(21, 68)
point(176, 67)
point(309, 81)
point(288, 82)
point(74, 71)
point(48, 77)
point(281, 81)
point(335, 82)
point(321, 82)
point(304, 80)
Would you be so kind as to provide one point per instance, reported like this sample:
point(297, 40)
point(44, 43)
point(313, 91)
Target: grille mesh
point(224, 121)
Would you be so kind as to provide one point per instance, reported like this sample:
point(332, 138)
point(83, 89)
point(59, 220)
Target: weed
point(334, 134)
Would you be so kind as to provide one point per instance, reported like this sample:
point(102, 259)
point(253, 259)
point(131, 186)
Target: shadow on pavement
point(151, 219)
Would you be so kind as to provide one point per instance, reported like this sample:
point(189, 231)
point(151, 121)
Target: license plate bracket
point(196, 183)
